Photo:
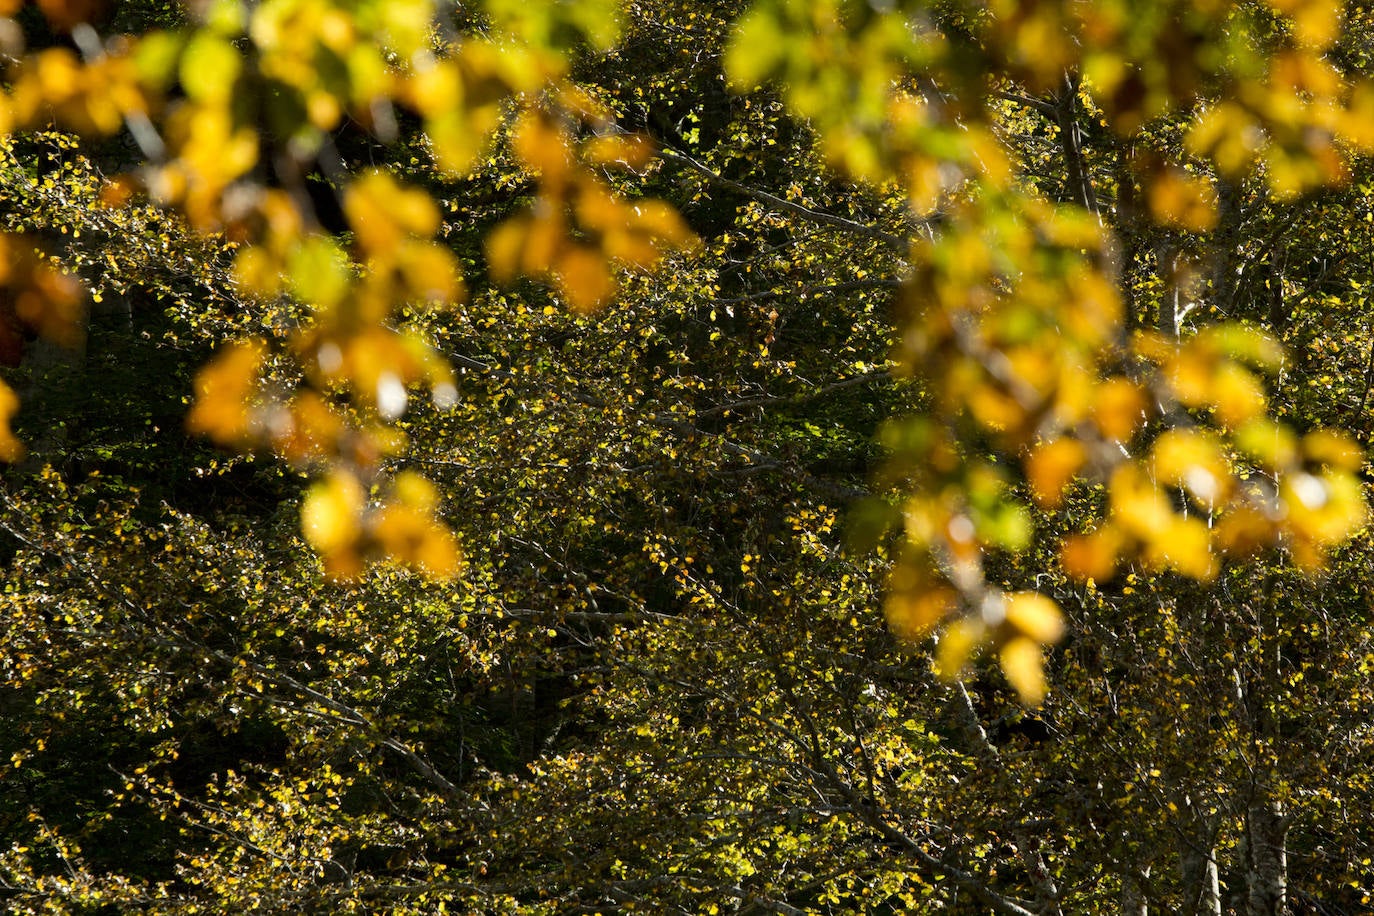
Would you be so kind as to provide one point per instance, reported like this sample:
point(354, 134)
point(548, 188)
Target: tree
point(658, 682)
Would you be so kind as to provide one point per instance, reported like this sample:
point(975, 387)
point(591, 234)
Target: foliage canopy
point(571, 338)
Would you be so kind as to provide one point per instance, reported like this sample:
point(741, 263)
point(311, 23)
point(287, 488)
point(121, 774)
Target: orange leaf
point(1050, 466)
point(224, 388)
point(1120, 408)
point(1092, 556)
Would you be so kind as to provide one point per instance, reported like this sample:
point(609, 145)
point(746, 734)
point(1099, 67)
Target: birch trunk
point(1266, 836)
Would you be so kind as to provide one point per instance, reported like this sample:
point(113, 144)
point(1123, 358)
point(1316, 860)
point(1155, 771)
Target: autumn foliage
point(414, 232)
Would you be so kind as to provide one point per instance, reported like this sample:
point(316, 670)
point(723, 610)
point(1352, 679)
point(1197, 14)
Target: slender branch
point(733, 406)
point(896, 243)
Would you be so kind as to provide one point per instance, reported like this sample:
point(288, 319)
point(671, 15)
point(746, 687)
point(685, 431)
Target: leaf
point(955, 646)
point(913, 614)
point(756, 49)
point(224, 394)
point(331, 513)
point(1051, 466)
point(585, 278)
point(1333, 447)
point(382, 212)
point(1182, 200)
point(1035, 617)
point(1119, 408)
point(209, 68)
point(1183, 545)
point(11, 449)
point(1024, 665)
point(1136, 503)
point(1092, 556)
point(1193, 460)
point(1237, 396)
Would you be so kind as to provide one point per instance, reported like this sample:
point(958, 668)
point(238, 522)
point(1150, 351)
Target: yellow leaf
point(956, 644)
point(416, 491)
point(1192, 459)
point(912, 615)
point(1324, 508)
point(331, 514)
point(431, 272)
point(504, 246)
point(1243, 530)
point(1190, 374)
point(585, 278)
point(633, 151)
point(209, 67)
point(1119, 409)
point(1333, 447)
point(1024, 665)
point(1185, 546)
point(1137, 504)
point(1183, 200)
point(382, 212)
point(1092, 556)
point(11, 449)
point(542, 147)
point(224, 389)
point(1036, 617)
point(310, 429)
point(1050, 466)
point(407, 532)
point(1237, 395)
point(1271, 444)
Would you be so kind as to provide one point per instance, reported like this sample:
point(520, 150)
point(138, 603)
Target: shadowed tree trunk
point(1133, 902)
point(1266, 855)
point(1198, 862)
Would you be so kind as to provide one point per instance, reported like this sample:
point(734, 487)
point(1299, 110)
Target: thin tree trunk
point(1133, 902)
point(1198, 863)
point(1079, 182)
point(1266, 836)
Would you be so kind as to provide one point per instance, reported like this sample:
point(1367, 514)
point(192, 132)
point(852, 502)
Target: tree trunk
point(1133, 902)
point(1266, 834)
point(1198, 863)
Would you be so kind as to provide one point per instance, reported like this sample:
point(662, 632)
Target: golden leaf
point(331, 514)
point(956, 644)
point(407, 532)
point(1272, 444)
point(1023, 663)
point(430, 272)
point(1185, 546)
point(224, 389)
point(632, 151)
point(585, 278)
point(913, 614)
point(504, 246)
point(310, 429)
point(1049, 468)
point(542, 147)
point(1136, 503)
point(1036, 617)
point(1242, 531)
point(1193, 460)
point(1323, 508)
point(1336, 448)
point(382, 212)
point(1092, 556)
point(1237, 396)
point(1119, 409)
point(1183, 200)
point(11, 449)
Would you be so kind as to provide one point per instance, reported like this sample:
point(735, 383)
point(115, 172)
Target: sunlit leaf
point(1024, 665)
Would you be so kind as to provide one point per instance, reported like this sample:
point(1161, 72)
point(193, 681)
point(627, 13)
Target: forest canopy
point(675, 457)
